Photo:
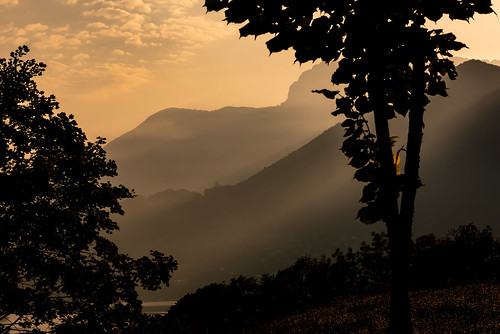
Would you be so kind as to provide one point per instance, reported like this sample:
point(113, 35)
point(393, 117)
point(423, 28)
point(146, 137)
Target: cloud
point(8, 2)
point(132, 26)
point(36, 27)
point(168, 25)
point(59, 41)
point(119, 52)
point(137, 41)
point(111, 13)
point(131, 5)
point(130, 33)
point(170, 7)
point(58, 56)
point(89, 36)
point(139, 31)
point(193, 30)
point(100, 80)
point(61, 29)
point(80, 59)
point(97, 25)
point(42, 37)
point(21, 41)
point(172, 58)
point(177, 7)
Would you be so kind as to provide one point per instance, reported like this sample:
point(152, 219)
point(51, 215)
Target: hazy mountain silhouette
point(256, 226)
point(194, 149)
point(306, 203)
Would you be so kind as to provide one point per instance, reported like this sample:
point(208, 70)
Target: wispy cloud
point(118, 52)
point(80, 59)
point(111, 13)
point(169, 26)
point(43, 37)
point(178, 7)
point(96, 49)
point(95, 80)
point(169, 7)
point(193, 30)
point(8, 2)
point(136, 5)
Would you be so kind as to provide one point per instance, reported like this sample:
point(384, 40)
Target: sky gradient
point(112, 63)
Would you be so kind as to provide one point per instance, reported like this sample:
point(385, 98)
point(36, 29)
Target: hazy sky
point(112, 63)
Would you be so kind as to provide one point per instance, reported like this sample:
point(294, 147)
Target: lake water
point(157, 307)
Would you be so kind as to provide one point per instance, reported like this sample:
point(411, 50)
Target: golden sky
point(112, 63)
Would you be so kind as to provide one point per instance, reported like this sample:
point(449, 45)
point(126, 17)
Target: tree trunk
point(399, 232)
point(400, 246)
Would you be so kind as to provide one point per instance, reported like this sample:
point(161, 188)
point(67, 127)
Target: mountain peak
point(300, 94)
point(477, 64)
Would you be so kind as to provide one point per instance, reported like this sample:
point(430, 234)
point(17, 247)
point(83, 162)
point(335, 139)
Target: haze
point(280, 194)
point(113, 63)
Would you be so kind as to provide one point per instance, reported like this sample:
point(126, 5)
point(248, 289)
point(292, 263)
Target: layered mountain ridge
point(306, 202)
point(195, 149)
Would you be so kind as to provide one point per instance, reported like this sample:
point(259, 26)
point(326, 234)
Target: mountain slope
point(256, 226)
point(307, 201)
point(194, 149)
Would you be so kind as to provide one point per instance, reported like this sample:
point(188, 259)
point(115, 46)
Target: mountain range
point(195, 149)
point(306, 201)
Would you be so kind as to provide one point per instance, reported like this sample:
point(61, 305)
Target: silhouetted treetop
point(57, 268)
point(320, 29)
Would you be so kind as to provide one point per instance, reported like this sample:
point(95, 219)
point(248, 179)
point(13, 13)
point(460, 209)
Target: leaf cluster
point(57, 268)
point(388, 58)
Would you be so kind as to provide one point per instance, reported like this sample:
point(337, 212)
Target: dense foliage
point(388, 58)
point(58, 271)
point(466, 255)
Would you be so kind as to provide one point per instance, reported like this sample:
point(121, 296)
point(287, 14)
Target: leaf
point(215, 5)
point(282, 41)
point(397, 160)
point(360, 159)
point(353, 146)
point(366, 174)
point(369, 215)
point(329, 94)
point(363, 105)
point(369, 193)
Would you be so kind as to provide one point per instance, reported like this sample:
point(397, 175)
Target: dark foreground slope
point(307, 201)
point(472, 309)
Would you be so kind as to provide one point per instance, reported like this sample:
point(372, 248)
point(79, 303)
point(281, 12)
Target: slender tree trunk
point(400, 244)
point(399, 233)
point(389, 192)
point(399, 240)
point(414, 143)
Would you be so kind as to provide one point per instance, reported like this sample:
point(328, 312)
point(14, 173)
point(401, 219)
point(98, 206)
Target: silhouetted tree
point(57, 268)
point(391, 62)
point(466, 255)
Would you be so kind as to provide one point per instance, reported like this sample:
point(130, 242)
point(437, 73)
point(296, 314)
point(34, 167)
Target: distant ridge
point(306, 201)
point(195, 149)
